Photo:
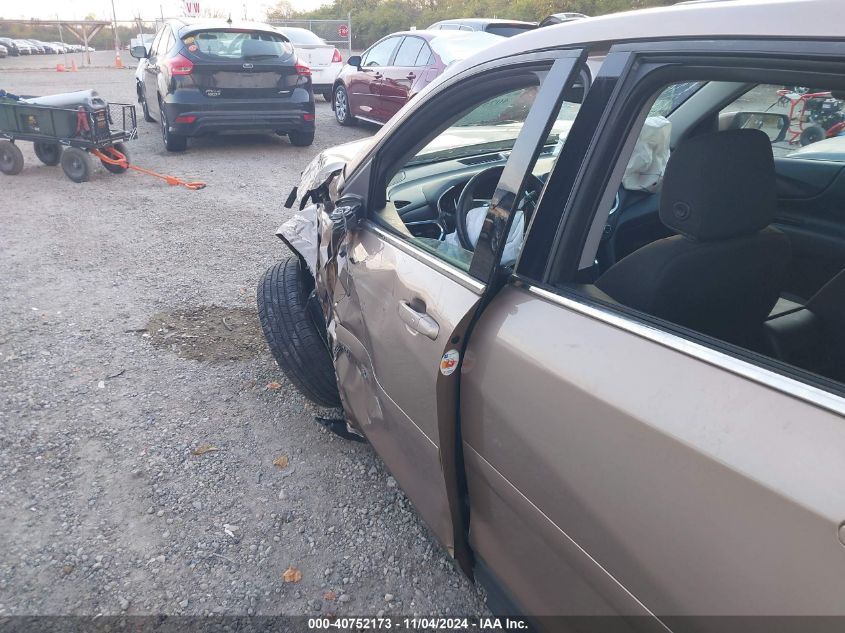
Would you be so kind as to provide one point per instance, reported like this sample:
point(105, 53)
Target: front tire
point(76, 164)
point(293, 335)
point(144, 107)
point(48, 153)
point(11, 158)
point(340, 104)
point(172, 142)
point(327, 95)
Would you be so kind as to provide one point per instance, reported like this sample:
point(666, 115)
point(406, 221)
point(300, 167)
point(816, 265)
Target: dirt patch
point(208, 333)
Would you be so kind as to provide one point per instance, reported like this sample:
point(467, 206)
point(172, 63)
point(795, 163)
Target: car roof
point(439, 35)
point(705, 20)
point(483, 21)
point(188, 25)
point(292, 28)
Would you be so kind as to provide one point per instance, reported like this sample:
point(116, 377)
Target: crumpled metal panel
point(300, 234)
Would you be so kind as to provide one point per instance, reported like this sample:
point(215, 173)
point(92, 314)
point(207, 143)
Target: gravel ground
point(138, 436)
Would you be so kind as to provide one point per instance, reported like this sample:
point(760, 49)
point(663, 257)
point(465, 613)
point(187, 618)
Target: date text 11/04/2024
point(413, 624)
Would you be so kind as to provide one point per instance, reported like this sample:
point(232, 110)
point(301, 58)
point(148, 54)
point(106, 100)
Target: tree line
point(373, 19)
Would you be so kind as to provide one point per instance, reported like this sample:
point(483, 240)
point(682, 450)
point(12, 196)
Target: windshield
point(493, 127)
point(457, 47)
point(302, 36)
point(237, 44)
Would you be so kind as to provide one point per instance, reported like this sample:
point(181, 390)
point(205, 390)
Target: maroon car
point(373, 86)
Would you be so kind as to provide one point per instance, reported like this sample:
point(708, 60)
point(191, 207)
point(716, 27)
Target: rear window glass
point(222, 44)
point(452, 49)
point(302, 36)
point(508, 30)
point(409, 50)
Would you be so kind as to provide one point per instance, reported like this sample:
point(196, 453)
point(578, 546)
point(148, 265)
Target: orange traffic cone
point(118, 63)
point(73, 67)
point(60, 68)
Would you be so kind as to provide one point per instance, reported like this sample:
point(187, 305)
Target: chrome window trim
point(790, 386)
point(443, 267)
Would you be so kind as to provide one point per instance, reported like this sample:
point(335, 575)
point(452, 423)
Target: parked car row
point(16, 46)
point(201, 77)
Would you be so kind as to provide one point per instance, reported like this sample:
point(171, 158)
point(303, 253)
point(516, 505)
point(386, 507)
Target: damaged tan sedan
point(585, 297)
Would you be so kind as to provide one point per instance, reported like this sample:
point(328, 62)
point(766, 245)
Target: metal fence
point(337, 32)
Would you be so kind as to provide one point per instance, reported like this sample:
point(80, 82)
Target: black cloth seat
point(724, 272)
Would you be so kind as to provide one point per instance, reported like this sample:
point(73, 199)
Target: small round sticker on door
point(449, 362)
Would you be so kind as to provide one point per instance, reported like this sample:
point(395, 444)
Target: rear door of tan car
point(614, 467)
point(401, 316)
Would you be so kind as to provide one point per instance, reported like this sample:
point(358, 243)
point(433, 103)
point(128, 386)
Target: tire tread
point(292, 337)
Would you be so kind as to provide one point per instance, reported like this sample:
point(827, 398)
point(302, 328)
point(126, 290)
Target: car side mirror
point(355, 60)
point(138, 52)
point(348, 212)
point(774, 125)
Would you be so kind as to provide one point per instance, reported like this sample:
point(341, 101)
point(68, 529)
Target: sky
point(128, 9)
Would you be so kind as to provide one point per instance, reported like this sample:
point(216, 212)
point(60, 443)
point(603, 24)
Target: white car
point(324, 59)
point(25, 48)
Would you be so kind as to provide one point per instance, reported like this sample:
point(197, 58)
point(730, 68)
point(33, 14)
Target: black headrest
point(719, 186)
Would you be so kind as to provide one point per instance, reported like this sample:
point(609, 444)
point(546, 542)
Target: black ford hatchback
point(210, 76)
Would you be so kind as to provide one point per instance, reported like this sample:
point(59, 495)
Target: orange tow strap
point(118, 158)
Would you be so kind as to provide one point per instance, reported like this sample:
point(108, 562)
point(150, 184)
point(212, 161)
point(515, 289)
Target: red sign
point(343, 30)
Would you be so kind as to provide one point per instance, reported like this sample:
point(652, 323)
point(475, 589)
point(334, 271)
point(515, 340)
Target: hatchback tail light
point(302, 70)
point(179, 65)
point(336, 58)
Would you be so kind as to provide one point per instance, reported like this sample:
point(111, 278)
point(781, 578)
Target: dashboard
point(426, 195)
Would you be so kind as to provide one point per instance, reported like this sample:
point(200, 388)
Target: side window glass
point(163, 42)
point(408, 52)
point(539, 169)
point(425, 56)
point(170, 42)
point(702, 238)
point(156, 42)
point(438, 199)
point(380, 54)
point(792, 117)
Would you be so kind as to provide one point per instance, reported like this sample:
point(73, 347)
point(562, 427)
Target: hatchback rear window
point(509, 30)
point(452, 49)
point(235, 44)
point(302, 36)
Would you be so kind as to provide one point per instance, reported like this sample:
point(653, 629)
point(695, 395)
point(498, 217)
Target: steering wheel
point(487, 179)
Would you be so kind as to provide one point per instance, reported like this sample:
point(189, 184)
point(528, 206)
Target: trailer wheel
point(76, 164)
point(48, 153)
point(812, 134)
point(117, 169)
point(293, 334)
point(11, 158)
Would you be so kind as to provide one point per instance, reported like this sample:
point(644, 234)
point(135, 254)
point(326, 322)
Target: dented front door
point(398, 315)
point(399, 318)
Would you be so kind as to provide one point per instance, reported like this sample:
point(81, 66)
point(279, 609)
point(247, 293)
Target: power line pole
point(116, 40)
